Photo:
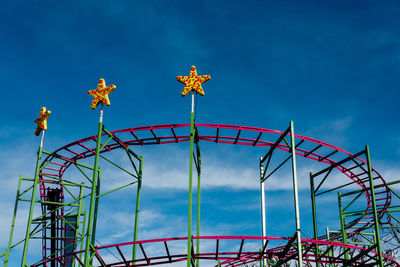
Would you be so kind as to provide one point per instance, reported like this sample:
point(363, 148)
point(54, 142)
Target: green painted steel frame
point(7, 253)
point(342, 224)
point(30, 234)
point(314, 215)
point(198, 167)
point(90, 235)
point(136, 226)
point(376, 220)
point(342, 215)
point(95, 191)
point(89, 221)
point(33, 197)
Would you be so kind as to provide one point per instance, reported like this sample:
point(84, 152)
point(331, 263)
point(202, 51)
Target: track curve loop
point(56, 164)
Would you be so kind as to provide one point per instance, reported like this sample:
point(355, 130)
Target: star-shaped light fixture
point(193, 82)
point(42, 120)
point(100, 94)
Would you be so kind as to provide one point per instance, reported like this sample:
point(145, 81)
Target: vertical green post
point(7, 256)
point(136, 226)
point(342, 223)
point(189, 240)
point(78, 218)
point(314, 213)
point(296, 196)
point(90, 234)
point(83, 231)
point(373, 236)
point(330, 252)
point(198, 204)
point(33, 198)
point(96, 206)
point(376, 219)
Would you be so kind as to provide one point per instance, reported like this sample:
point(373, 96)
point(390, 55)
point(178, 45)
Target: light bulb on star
point(100, 94)
point(42, 120)
point(193, 82)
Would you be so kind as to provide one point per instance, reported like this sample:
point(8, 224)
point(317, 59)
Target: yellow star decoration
point(193, 82)
point(42, 120)
point(100, 94)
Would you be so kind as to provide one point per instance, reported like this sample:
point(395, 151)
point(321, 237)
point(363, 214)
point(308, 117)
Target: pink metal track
point(237, 254)
point(306, 147)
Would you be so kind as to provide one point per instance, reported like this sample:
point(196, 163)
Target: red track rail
point(235, 256)
point(306, 147)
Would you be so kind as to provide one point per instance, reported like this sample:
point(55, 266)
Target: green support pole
point(198, 205)
point(78, 218)
point(96, 206)
point(90, 234)
point(296, 196)
point(83, 231)
point(189, 239)
point(35, 183)
point(330, 252)
point(314, 213)
point(342, 224)
point(139, 188)
point(376, 220)
point(7, 256)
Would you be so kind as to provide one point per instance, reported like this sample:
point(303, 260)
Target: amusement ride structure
point(67, 218)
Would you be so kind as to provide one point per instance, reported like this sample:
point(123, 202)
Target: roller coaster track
point(56, 164)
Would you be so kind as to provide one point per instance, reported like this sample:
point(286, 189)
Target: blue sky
point(332, 67)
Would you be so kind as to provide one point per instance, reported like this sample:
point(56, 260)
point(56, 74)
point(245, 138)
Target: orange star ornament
point(193, 82)
point(100, 94)
point(42, 120)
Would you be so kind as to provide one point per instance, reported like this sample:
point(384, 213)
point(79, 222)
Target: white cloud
point(172, 173)
point(333, 131)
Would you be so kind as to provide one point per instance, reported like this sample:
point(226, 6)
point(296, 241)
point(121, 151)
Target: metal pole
point(139, 188)
point(296, 197)
point(12, 224)
point(90, 232)
point(262, 191)
point(28, 228)
point(314, 213)
point(96, 205)
point(330, 252)
point(342, 223)
point(83, 231)
point(41, 139)
point(78, 219)
point(101, 112)
point(189, 240)
point(198, 205)
point(376, 219)
point(192, 102)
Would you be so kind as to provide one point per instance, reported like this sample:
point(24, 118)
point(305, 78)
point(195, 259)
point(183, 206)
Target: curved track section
point(62, 158)
point(113, 255)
